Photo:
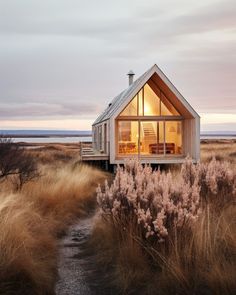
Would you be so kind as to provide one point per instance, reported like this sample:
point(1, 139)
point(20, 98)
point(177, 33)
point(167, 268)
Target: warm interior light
point(172, 129)
point(147, 109)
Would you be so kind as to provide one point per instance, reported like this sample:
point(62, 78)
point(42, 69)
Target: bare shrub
point(9, 156)
point(16, 163)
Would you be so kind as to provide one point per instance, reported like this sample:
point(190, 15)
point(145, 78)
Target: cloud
point(45, 110)
point(61, 58)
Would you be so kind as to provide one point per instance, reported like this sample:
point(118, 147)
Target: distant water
point(218, 135)
point(48, 136)
point(43, 133)
point(73, 136)
point(60, 139)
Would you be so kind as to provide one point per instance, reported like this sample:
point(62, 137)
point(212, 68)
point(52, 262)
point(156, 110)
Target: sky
point(62, 61)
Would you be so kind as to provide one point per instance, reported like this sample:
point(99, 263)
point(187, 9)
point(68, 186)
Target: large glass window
point(140, 102)
point(161, 142)
point(167, 109)
point(173, 137)
point(131, 109)
point(148, 137)
point(128, 137)
point(100, 136)
point(151, 102)
point(148, 102)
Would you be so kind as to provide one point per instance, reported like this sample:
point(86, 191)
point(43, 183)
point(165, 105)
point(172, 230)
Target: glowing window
point(173, 136)
point(131, 109)
point(167, 109)
point(128, 136)
point(151, 102)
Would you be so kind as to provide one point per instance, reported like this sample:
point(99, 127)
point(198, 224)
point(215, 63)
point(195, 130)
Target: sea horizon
point(74, 136)
point(61, 132)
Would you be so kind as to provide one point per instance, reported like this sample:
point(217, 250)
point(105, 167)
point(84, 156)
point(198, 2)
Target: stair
point(87, 151)
point(149, 132)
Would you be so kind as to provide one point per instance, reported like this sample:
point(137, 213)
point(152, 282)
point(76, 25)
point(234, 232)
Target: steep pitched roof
point(131, 91)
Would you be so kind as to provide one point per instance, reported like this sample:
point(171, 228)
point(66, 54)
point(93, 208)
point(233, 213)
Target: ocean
point(73, 136)
point(60, 139)
point(48, 136)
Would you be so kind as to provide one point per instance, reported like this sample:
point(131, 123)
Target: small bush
point(16, 164)
point(153, 199)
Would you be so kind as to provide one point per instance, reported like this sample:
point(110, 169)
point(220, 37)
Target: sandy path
point(77, 270)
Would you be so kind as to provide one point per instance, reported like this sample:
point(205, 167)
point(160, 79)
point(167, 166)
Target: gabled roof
point(118, 103)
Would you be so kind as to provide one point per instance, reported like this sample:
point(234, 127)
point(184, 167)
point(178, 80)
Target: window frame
point(141, 119)
point(142, 114)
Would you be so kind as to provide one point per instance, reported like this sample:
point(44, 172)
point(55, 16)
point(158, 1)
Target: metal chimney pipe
point(131, 77)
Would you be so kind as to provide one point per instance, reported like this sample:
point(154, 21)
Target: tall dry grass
point(28, 248)
point(32, 220)
point(196, 258)
point(54, 153)
point(223, 150)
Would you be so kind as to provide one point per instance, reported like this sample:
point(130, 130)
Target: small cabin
point(151, 120)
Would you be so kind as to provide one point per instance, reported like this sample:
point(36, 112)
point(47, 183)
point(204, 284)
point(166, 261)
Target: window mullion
point(143, 101)
point(139, 138)
point(160, 103)
point(138, 104)
point(164, 126)
point(157, 137)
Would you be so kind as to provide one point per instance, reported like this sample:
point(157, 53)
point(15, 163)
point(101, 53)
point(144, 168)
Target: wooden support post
point(114, 168)
point(106, 165)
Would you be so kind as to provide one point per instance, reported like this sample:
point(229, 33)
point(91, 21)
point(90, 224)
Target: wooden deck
point(89, 154)
point(95, 157)
point(155, 160)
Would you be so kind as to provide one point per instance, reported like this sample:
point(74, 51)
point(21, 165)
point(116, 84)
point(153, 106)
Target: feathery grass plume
point(156, 202)
point(176, 233)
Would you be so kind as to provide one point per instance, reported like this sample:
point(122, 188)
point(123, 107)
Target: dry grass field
point(221, 149)
point(33, 218)
point(54, 153)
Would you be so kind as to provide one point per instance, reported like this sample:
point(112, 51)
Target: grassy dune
point(32, 220)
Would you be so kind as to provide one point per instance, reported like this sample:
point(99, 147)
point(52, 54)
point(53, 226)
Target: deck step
point(87, 151)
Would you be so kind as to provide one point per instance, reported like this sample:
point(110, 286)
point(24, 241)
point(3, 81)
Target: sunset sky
point(61, 61)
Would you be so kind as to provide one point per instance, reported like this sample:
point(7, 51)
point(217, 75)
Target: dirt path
point(77, 269)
